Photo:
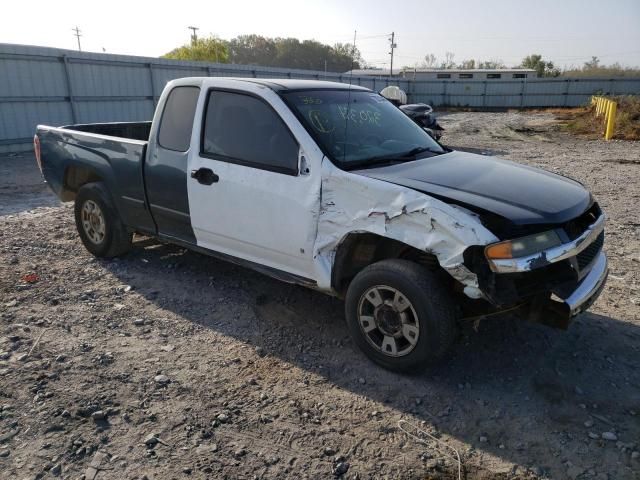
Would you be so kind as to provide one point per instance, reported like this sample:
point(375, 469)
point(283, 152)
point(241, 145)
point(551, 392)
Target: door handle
point(205, 176)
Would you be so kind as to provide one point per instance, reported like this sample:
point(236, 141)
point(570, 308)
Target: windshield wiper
point(415, 151)
point(378, 162)
point(395, 158)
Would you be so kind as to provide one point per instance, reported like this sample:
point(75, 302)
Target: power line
point(77, 35)
point(362, 37)
point(367, 37)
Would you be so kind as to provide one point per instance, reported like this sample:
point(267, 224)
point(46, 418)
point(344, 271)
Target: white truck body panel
point(257, 215)
point(296, 223)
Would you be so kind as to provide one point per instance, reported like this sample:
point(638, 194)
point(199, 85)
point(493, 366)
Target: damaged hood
point(521, 194)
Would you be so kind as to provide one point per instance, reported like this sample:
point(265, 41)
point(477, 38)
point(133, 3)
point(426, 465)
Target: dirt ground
point(167, 364)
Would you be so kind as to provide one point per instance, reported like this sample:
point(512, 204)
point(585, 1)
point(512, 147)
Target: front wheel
point(98, 222)
point(400, 315)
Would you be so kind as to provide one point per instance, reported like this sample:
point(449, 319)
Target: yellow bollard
point(611, 120)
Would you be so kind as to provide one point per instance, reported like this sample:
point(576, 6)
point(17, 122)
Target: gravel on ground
point(169, 364)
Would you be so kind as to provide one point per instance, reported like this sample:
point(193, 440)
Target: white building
point(451, 73)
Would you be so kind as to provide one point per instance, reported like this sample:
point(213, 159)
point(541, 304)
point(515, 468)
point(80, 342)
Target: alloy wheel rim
point(388, 320)
point(93, 222)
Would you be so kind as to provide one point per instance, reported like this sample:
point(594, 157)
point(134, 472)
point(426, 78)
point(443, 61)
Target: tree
point(491, 64)
point(252, 50)
point(210, 49)
point(292, 53)
point(448, 60)
point(542, 68)
point(343, 52)
point(430, 60)
point(468, 64)
point(593, 64)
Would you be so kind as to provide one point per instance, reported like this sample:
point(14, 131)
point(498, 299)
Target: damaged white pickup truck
point(332, 187)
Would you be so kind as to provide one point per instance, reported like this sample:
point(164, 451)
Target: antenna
point(393, 46)
point(353, 54)
point(346, 120)
point(194, 35)
point(77, 35)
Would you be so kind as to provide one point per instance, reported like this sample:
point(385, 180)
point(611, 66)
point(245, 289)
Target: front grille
point(586, 256)
point(576, 227)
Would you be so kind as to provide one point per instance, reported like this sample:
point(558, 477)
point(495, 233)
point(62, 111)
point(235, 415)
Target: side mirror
point(303, 164)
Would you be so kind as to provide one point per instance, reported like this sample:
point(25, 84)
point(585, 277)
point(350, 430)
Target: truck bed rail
point(130, 130)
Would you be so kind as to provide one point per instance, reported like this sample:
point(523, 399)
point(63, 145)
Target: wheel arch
point(76, 176)
point(358, 250)
point(117, 238)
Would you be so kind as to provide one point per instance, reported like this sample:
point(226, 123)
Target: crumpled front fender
point(352, 203)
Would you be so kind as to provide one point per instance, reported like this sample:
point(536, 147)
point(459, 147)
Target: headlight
point(522, 247)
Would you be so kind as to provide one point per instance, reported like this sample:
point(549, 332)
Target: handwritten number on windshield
point(306, 100)
point(360, 116)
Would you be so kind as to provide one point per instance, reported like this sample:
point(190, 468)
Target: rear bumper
point(558, 312)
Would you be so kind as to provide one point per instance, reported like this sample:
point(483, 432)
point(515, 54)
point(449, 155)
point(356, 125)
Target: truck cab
point(330, 186)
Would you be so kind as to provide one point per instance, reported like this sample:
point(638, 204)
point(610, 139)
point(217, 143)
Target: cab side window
point(177, 118)
point(245, 130)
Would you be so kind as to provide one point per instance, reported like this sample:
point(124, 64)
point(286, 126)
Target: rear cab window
point(242, 129)
point(177, 118)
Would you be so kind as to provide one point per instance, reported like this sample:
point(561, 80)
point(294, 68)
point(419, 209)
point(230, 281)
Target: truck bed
point(130, 130)
point(112, 153)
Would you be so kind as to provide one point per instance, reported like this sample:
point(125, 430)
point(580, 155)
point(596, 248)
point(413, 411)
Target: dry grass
point(583, 120)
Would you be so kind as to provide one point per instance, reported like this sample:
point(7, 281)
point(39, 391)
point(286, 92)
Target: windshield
point(360, 129)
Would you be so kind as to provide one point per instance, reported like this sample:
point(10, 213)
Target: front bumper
point(558, 312)
point(588, 289)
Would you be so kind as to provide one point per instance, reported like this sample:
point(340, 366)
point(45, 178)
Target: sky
point(567, 32)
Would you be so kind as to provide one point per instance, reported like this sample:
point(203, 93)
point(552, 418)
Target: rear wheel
point(400, 315)
point(100, 228)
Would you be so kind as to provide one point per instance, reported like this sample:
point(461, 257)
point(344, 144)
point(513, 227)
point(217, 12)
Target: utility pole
point(78, 35)
point(393, 45)
point(194, 35)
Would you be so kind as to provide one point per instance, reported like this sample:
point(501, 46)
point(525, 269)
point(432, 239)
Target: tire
point(412, 297)
point(98, 223)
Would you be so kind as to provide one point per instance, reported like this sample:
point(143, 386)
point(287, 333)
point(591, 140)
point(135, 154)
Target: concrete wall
point(58, 87)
